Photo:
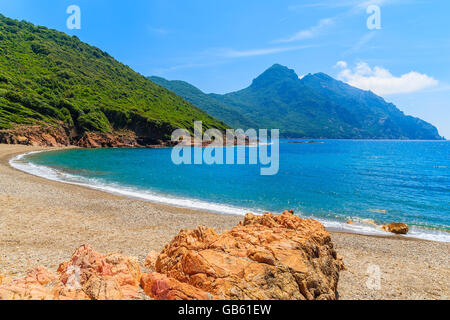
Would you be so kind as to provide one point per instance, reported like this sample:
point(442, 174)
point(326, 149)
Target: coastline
point(44, 221)
point(360, 226)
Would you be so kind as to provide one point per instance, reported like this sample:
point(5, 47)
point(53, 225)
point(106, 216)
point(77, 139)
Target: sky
point(402, 54)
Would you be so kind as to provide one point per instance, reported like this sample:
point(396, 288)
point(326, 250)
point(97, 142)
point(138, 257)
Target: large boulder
point(265, 257)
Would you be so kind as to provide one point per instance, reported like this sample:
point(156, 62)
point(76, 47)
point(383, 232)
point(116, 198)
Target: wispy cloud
point(359, 4)
point(362, 42)
point(308, 33)
point(381, 81)
point(160, 31)
point(232, 53)
point(161, 71)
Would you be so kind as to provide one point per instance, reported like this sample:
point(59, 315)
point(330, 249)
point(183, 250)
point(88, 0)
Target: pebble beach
point(43, 222)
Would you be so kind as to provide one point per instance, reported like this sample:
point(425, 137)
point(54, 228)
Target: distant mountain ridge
point(315, 106)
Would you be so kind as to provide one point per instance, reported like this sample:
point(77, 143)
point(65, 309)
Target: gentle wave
point(19, 162)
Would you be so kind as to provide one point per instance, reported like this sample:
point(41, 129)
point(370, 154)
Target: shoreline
point(209, 207)
point(44, 221)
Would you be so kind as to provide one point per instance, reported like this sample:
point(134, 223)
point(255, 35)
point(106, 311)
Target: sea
point(370, 182)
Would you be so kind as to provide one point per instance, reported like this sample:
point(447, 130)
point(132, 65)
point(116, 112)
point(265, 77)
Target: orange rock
point(103, 288)
point(32, 287)
point(264, 257)
point(160, 287)
point(127, 272)
point(113, 272)
point(35, 135)
point(49, 140)
point(87, 275)
point(22, 140)
point(397, 228)
point(63, 292)
point(150, 260)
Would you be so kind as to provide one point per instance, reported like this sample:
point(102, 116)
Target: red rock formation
point(102, 277)
point(87, 275)
point(264, 257)
point(52, 136)
point(46, 136)
point(160, 287)
point(38, 284)
point(107, 140)
point(267, 257)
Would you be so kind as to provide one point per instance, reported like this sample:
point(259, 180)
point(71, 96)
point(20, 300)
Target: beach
point(42, 222)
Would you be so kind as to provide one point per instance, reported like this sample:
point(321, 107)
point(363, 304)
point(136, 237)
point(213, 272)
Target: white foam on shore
point(56, 175)
point(366, 229)
point(19, 162)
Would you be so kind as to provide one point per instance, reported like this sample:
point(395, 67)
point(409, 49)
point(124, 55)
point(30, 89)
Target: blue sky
point(220, 46)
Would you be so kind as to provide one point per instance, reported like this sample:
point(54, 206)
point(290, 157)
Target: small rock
point(397, 228)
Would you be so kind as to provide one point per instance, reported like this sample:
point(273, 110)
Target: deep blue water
point(337, 180)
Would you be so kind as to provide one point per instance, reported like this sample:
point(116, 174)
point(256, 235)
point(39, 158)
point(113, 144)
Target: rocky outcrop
point(88, 275)
point(109, 277)
point(45, 136)
point(397, 228)
point(107, 140)
point(39, 284)
point(53, 136)
point(265, 257)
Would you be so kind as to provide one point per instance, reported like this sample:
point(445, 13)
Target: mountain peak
point(318, 76)
point(275, 73)
point(316, 106)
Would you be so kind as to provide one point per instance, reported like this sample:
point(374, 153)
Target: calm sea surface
point(334, 181)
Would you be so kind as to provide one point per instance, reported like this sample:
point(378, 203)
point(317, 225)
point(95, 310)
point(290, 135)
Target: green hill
point(49, 78)
point(316, 106)
point(207, 103)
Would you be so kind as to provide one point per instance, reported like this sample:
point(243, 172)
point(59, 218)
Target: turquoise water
point(334, 181)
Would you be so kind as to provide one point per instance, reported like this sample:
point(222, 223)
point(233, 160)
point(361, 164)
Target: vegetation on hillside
point(48, 77)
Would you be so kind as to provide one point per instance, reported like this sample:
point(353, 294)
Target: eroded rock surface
point(160, 287)
point(88, 275)
point(265, 257)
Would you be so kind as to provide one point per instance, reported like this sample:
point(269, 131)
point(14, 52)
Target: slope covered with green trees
point(315, 106)
point(48, 77)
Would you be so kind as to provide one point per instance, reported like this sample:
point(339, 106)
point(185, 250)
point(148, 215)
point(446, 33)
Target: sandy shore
point(42, 222)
